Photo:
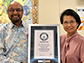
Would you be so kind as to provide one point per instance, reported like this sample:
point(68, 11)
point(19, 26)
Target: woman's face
point(69, 24)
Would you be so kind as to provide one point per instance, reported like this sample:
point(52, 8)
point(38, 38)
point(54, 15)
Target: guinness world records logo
point(44, 36)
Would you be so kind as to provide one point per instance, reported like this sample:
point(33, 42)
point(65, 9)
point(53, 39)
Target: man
point(13, 37)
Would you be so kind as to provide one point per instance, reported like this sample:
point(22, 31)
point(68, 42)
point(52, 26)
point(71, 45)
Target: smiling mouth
point(15, 16)
point(69, 28)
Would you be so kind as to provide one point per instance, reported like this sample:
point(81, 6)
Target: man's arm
point(3, 58)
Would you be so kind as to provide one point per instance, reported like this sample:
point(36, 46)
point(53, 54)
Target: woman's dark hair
point(71, 13)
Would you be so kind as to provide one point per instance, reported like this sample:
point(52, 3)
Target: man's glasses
point(12, 10)
point(71, 22)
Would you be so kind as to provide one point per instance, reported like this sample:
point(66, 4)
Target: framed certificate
point(43, 44)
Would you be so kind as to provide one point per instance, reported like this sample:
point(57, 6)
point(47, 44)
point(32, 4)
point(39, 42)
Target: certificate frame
point(36, 30)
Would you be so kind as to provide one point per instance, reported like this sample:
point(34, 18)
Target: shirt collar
point(68, 39)
point(12, 25)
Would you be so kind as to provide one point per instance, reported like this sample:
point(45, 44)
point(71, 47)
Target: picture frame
point(44, 43)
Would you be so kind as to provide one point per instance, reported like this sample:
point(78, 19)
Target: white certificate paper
point(44, 44)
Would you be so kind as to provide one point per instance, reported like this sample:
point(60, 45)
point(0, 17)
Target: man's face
point(15, 12)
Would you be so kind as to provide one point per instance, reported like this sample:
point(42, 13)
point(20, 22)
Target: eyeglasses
point(12, 10)
point(71, 22)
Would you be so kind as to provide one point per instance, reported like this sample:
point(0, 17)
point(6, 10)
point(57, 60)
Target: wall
point(49, 11)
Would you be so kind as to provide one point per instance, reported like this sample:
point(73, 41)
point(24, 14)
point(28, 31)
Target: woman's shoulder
point(80, 37)
point(62, 39)
point(63, 36)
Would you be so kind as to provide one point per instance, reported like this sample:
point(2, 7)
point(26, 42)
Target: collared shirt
point(14, 43)
point(72, 49)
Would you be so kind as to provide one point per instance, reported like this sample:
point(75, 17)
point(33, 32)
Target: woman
point(72, 43)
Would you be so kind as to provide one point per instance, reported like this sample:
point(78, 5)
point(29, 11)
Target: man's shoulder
point(4, 27)
point(26, 25)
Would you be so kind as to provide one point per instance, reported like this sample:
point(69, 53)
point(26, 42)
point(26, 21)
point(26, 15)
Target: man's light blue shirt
point(14, 43)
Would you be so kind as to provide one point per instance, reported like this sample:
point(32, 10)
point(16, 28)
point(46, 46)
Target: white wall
point(49, 11)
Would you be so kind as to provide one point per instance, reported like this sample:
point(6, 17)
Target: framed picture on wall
point(43, 44)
